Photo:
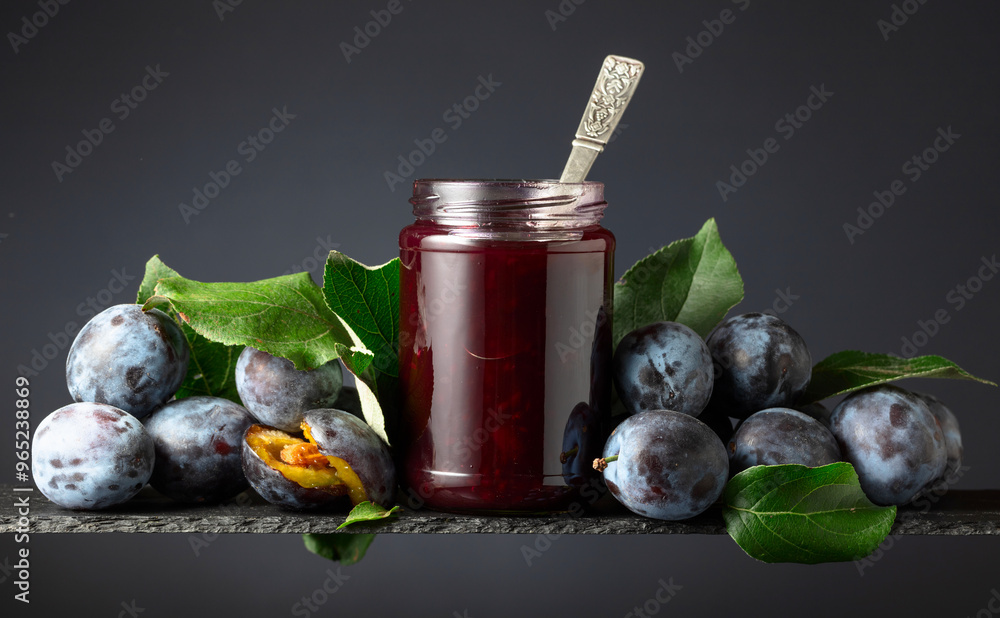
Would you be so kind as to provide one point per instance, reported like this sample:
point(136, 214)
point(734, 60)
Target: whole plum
point(952, 435)
point(128, 358)
point(665, 465)
point(663, 366)
point(278, 394)
point(197, 443)
point(892, 438)
point(760, 363)
point(781, 436)
point(581, 444)
point(91, 456)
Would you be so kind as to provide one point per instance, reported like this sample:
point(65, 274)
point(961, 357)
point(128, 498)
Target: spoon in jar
point(615, 85)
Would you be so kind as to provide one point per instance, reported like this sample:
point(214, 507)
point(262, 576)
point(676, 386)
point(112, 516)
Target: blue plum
point(663, 366)
point(818, 411)
point(128, 358)
point(952, 434)
point(781, 436)
point(197, 443)
point(760, 363)
point(892, 439)
point(582, 443)
point(277, 394)
point(664, 465)
point(91, 456)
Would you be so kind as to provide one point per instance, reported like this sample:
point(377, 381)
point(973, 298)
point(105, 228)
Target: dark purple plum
point(817, 411)
point(277, 394)
point(892, 439)
point(342, 436)
point(91, 456)
point(719, 421)
point(781, 436)
point(197, 442)
point(128, 358)
point(297, 486)
point(663, 366)
point(669, 465)
point(582, 443)
point(952, 434)
point(760, 363)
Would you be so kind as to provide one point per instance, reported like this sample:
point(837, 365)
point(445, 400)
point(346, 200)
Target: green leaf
point(851, 370)
point(792, 513)
point(367, 511)
point(212, 369)
point(344, 548)
point(367, 298)
point(155, 270)
point(285, 316)
point(693, 281)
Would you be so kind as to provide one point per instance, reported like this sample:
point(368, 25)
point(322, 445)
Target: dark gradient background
point(321, 183)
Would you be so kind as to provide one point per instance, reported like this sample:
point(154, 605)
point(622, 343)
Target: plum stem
point(565, 456)
point(602, 462)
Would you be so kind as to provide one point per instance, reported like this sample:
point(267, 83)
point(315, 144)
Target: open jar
point(505, 345)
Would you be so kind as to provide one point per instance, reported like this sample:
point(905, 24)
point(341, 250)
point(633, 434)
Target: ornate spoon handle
point(614, 88)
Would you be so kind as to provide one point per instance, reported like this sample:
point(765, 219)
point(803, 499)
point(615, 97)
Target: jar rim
point(509, 202)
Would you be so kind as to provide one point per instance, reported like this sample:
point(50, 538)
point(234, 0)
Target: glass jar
point(505, 345)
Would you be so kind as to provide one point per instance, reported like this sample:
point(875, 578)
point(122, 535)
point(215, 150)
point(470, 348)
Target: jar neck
point(492, 207)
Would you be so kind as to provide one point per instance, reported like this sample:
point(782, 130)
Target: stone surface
point(957, 513)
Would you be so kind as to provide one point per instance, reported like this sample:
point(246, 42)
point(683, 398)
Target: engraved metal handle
point(614, 88)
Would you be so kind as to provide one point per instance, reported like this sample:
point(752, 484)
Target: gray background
point(322, 177)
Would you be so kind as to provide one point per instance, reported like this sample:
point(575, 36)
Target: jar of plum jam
point(505, 345)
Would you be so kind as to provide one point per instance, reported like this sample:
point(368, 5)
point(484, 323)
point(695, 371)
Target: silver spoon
point(614, 88)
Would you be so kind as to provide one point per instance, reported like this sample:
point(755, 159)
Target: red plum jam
point(505, 345)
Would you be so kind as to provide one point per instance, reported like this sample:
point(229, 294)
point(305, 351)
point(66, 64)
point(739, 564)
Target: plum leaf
point(212, 369)
point(693, 281)
point(792, 513)
point(367, 511)
point(851, 370)
point(344, 548)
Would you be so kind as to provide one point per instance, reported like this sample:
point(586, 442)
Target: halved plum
point(338, 456)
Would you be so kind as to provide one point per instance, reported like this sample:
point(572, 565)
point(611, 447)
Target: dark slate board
point(957, 513)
